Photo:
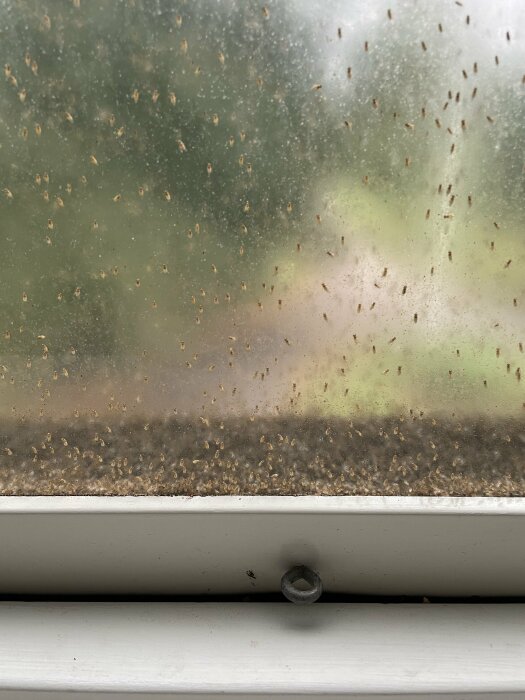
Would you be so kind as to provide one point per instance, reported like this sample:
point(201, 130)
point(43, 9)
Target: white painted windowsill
point(206, 546)
point(242, 650)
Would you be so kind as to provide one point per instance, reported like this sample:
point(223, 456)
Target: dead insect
point(316, 86)
point(450, 255)
point(182, 146)
point(323, 285)
point(349, 72)
point(507, 264)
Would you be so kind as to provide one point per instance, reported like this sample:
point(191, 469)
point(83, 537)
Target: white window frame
point(160, 545)
point(146, 546)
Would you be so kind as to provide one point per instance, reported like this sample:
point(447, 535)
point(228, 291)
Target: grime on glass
point(257, 248)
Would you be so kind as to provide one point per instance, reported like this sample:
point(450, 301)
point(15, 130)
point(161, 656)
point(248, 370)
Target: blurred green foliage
point(158, 158)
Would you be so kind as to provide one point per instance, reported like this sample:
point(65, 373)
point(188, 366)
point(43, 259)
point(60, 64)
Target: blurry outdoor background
point(214, 208)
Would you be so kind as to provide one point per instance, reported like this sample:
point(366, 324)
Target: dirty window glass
point(259, 248)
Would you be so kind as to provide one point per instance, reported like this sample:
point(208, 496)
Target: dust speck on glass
point(257, 248)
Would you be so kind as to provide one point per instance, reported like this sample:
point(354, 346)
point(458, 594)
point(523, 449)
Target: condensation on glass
point(262, 248)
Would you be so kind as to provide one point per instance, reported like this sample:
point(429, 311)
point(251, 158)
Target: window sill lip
point(348, 650)
point(323, 505)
